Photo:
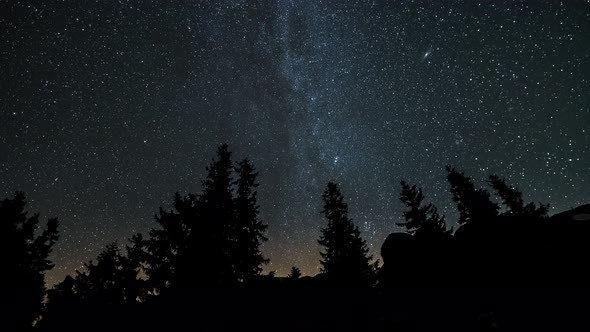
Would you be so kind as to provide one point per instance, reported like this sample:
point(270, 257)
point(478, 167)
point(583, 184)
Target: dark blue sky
point(108, 108)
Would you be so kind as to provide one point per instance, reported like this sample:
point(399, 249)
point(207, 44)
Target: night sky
point(109, 107)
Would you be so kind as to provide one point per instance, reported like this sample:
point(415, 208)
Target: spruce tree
point(295, 273)
point(167, 245)
point(208, 240)
point(111, 280)
point(472, 203)
point(421, 219)
point(345, 259)
point(209, 221)
point(249, 230)
point(24, 254)
point(512, 199)
point(215, 233)
point(104, 288)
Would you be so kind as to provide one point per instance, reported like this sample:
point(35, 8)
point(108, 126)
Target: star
point(309, 91)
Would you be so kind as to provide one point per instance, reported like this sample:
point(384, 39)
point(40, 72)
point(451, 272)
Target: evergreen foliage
point(295, 273)
point(111, 280)
point(512, 199)
point(249, 229)
point(473, 204)
point(345, 259)
point(421, 219)
point(212, 239)
point(24, 254)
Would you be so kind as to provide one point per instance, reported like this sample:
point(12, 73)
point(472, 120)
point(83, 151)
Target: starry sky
point(109, 107)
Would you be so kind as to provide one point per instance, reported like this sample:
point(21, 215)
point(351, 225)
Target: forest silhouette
point(506, 267)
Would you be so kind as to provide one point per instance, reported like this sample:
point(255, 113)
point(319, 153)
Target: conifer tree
point(205, 226)
point(208, 240)
point(512, 199)
point(111, 280)
point(167, 245)
point(472, 203)
point(24, 254)
point(249, 230)
point(105, 287)
point(295, 273)
point(421, 219)
point(345, 259)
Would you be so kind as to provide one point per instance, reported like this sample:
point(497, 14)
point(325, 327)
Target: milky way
point(108, 108)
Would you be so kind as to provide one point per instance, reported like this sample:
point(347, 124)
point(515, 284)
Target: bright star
point(427, 53)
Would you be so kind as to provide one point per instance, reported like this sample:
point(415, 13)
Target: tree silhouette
point(345, 259)
point(472, 203)
point(112, 280)
point(106, 287)
point(249, 230)
point(193, 245)
point(24, 256)
point(167, 244)
point(295, 273)
point(512, 199)
point(63, 307)
point(212, 238)
point(208, 240)
point(421, 219)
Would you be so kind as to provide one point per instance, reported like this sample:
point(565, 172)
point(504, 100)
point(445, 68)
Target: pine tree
point(421, 219)
point(249, 230)
point(106, 287)
point(295, 273)
point(112, 280)
point(193, 246)
point(208, 240)
point(512, 199)
point(345, 259)
point(167, 245)
point(212, 238)
point(25, 259)
point(473, 204)
point(194, 243)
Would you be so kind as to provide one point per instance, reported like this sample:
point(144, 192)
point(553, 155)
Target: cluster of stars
point(108, 109)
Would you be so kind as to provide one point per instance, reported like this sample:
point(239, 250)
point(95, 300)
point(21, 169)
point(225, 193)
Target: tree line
point(206, 249)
